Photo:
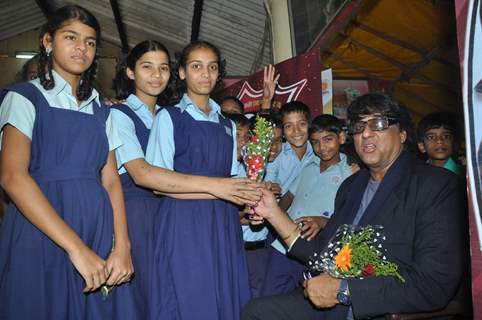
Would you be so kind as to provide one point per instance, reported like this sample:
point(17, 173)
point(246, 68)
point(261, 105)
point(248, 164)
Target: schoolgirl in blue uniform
point(201, 247)
point(142, 79)
point(58, 167)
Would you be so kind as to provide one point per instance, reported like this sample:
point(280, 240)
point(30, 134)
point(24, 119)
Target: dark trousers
point(283, 274)
point(257, 260)
point(290, 306)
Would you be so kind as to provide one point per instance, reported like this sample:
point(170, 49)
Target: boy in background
point(297, 152)
point(438, 138)
point(310, 199)
point(232, 105)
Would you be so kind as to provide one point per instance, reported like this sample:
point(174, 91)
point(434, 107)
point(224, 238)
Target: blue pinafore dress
point(201, 239)
point(37, 279)
point(141, 207)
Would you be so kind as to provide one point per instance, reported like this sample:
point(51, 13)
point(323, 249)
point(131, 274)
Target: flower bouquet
point(355, 252)
point(256, 150)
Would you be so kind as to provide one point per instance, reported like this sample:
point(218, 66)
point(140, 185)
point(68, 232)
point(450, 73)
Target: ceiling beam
point(403, 67)
point(400, 43)
point(196, 20)
point(364, 72)
point(420, 99)
point(408, 74)
point(337, 24)
point(355, 67)
point(120, 26)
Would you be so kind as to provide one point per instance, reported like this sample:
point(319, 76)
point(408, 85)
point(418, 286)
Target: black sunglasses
point(375, 124)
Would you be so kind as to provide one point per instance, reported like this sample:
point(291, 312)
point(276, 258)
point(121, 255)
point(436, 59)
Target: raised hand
point(270, 80)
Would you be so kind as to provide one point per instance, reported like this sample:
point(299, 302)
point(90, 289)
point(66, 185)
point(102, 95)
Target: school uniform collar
point(63, 86)
point(287, 149)
point(187, 102)
point(316, 160)
point(135, 103)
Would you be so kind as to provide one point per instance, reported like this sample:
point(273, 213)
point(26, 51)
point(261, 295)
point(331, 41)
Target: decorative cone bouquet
point(355, 252)
point(256, 150)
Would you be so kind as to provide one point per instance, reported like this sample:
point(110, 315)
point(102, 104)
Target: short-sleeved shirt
point(19, 112)
point(161, 147)
point(248, 233)
point(314, 191)
point(286, 167)
point(131, 148)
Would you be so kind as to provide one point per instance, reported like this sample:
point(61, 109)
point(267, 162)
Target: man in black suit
point(419, 207)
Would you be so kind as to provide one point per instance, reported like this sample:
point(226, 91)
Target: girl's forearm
point(166, 181)
point(187, 196)
point(112, 183)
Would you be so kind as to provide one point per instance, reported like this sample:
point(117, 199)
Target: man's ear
point(403, 136)
point(421, 147)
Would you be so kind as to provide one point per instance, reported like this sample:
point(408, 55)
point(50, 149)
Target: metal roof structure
point(405, 47)
point(240, 28)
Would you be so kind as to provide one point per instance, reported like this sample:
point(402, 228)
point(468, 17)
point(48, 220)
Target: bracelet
point(290, 234)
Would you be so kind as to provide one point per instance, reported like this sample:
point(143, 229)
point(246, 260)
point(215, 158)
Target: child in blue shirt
point(438, 138)
point(297, 152)
point(58, 165)
point(200, 247)
point(310, 198)
point(142, 80)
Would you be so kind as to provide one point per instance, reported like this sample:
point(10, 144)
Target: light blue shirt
point(161, 146)
point(286, 167)
point(19, 112)
point(131, 148)
point(314, 191)
point(248, 233)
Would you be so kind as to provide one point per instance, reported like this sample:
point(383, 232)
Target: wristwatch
point(343, 295)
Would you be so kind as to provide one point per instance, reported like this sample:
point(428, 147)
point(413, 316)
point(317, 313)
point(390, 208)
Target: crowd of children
point(139, 198)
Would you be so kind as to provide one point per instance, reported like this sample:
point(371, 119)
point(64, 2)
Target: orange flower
point(343, 258)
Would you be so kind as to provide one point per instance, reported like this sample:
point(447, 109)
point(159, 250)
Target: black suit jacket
point(420, 209)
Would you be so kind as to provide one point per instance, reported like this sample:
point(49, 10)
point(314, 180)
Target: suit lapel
point(350, 207)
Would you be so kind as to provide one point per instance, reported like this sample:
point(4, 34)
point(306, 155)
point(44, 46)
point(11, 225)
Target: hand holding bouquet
point(355, 252)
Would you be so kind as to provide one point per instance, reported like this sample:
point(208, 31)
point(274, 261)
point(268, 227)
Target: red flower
point(254, 139)
point(368, 270)
point(254, 163)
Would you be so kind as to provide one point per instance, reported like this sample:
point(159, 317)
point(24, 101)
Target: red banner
point(300, 80)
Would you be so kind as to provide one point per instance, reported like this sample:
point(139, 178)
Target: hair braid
point(45, 67)
point(86, 83)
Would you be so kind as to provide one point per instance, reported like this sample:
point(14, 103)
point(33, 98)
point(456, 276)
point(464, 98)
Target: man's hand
point(266, 208)
point(322, 290)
